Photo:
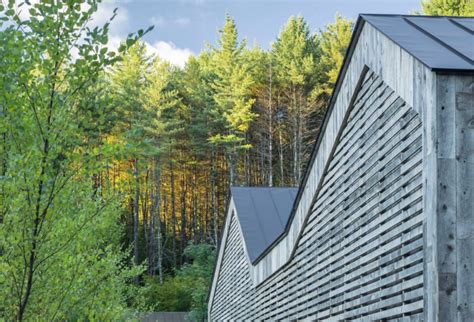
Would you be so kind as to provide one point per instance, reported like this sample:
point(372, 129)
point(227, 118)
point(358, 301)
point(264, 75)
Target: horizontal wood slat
point(360, 255)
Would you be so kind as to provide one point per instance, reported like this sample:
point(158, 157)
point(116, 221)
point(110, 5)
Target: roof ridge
point(439, 41)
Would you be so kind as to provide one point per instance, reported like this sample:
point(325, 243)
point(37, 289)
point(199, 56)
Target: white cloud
point(182, 21)
point(160, 21)
point(105, 11)
point(169, 52)
point(119, 27)
point(195, 2)
point(114, 42)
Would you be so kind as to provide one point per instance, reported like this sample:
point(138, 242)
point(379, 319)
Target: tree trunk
point(194, 207)
point(173, 213)
point(151, 237)
point(232, 166)
point(247, 163)
point(270, 131)
point(158, 254)
point(300, 140)
point(295, 138)
point(213, 197)
point(262, 162)
point(135, 215)
point(183, 215)
point(207, 220)
point(145, 224)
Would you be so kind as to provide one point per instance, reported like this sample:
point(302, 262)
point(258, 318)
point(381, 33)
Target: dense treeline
point(232, 116)
point(115, 166)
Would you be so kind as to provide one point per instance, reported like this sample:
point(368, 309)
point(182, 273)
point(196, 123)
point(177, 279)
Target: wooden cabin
point(382, 226)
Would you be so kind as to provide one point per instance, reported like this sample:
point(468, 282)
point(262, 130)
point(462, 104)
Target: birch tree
point(49, 264)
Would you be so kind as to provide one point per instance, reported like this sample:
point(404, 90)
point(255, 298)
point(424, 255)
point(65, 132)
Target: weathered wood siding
point(234, 287)
point(449, 177)
point(360, 254)
point(409, 78)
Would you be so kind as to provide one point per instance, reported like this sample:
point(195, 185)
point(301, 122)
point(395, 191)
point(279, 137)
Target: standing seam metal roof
point(440, 43)
point(263, 214)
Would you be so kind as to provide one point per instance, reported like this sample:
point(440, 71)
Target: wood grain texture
point(449, 200)
point(360, 255)
point(403, 74)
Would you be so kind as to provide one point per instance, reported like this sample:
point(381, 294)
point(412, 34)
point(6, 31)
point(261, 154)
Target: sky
point(182, 27)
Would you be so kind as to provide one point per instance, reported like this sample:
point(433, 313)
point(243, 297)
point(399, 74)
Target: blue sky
point(182, 26)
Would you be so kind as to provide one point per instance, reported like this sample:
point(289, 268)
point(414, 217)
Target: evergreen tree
point(128, 83)
point(296, 54)
point(448, 7)
point(97, 144)
point(231, 94)
point(164, 124)
point(334, 41)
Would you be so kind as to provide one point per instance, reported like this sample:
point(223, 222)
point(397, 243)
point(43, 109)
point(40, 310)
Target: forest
point(115, 166)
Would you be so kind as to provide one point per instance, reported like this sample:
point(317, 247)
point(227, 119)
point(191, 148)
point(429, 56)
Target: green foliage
point(92, 141)
point(186, 291)
point(129, 90)
point(231, 85)
point(174, 295)
point(200, 271)
point(448, 7)
point(50, 267)
point(334, 40)
point(196, 93)
point(296, 53)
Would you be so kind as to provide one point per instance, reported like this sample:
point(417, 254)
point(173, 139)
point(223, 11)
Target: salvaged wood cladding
point(361, 249)
point(382, 227)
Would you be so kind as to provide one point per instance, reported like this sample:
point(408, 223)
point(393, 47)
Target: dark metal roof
point(440, 43)
point(263, 214)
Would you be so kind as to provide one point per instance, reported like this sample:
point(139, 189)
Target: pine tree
point(128, 83)
point(334, 41)
point(448, 7)
point(231, 94)
point(296, 54)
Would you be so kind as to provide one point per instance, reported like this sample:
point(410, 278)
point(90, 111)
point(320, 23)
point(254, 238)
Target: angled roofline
point(221, 235)
point(345, 63)
point(218, 247)
point(337, 87)
point(408, 15)
point(358, 27)
point(263, 214)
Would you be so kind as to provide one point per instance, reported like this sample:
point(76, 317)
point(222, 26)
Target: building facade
point(382, 226)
